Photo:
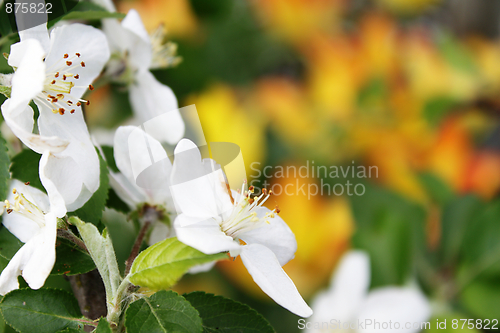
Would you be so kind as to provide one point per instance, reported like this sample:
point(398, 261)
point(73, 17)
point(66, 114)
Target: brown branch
point(91, 295)
point(136, 247)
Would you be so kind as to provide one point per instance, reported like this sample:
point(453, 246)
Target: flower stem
point(136, 247)
point(69, 235)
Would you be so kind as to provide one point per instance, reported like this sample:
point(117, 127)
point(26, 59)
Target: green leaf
point(482, 237)
point(4, 169)
point(161, 265)
point(9, 244)
point(83, 10)
point(164, 311)
point(92, 15)
point(6, 91)
point(103, 326)
point(3, 326)
point(109, 156)
point(116, 203)
point(220, 314)
point(390, 229)
point(456, 217)
point(43, 310)
point(25, 168)
point(70, 259)
point(92, 210)
point(101, 250)
point(449, 317)
point(436, 108)
point(438, 190)
point(456, 54)
point(481, 299)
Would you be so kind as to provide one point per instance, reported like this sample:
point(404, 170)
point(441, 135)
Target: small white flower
point(134, 54)
point(31, 217)
point(214, 219)
point(348, 301)
point(134, 152)
point(55, 72)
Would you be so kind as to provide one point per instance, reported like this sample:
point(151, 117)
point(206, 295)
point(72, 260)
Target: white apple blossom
point(32, 218)
point(349, 301)
point(55, 72)
point(134, 152)
point(213, 219)
point(134, 54)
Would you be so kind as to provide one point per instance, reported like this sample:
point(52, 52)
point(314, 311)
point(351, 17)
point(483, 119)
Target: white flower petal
point(160, 232)
point(21, 123)
point(41, 261)
point(266, 271)
point(197, 185)
point(89, 42)
point(64, 173)
point(205, 236)
point(20, 225)
point(118, 38)
point(107, 4)
point(144, 162)
point(201, 268)
point(156, 105)
point(350, 283)
point(276, 236)
point(34, 261)
point(8, 278)
point(128, 192)
point(401, 305)
point(140, 49)
point(79, 163)
point(25, 22)
point(29, 77)
point(57, 203)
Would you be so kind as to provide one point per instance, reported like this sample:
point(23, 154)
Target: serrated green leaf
point(220, 314)
point(161, 265)
point(92, 210)
point(3, 326)
point(101, 250)
point(70, 259)
point(25, 168)
point(4, 169)
point(71, 330)
point(43, 310)
point(164, 311)
point(109, 156)
point(103, 326)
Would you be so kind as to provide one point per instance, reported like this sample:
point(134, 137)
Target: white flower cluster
point(54, 70)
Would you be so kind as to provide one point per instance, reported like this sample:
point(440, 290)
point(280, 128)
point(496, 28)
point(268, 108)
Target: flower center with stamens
point(164, 52)
point(59, 81)
point(23, 206)
point(244, 218)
